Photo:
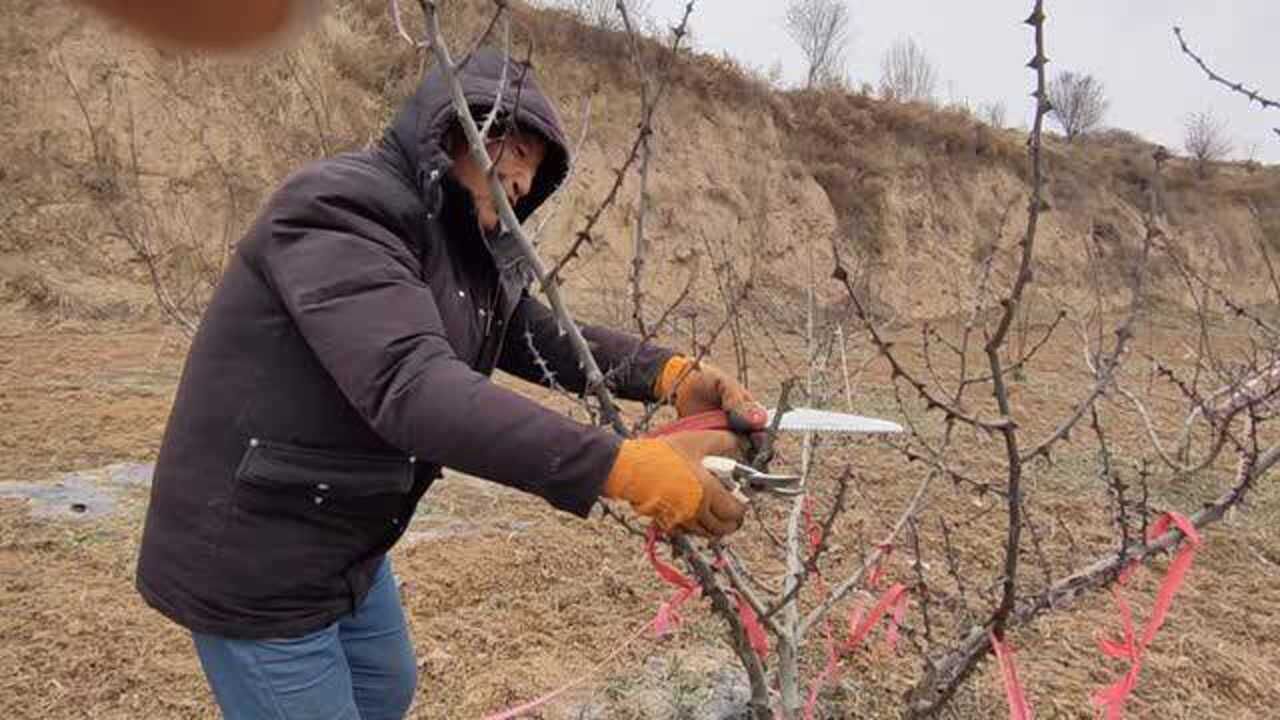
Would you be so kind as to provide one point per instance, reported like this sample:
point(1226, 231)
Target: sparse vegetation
point(907, 74)
point(822, 30)
point(1205, 139)
point(993, 114)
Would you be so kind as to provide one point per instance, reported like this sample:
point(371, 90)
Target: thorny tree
point(972, 440)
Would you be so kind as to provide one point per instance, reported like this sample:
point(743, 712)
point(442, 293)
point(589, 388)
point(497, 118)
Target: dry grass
point(534, 599)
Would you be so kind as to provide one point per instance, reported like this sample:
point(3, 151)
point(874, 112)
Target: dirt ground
point(508, 599)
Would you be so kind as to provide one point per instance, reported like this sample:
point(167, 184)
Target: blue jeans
point(359, 668)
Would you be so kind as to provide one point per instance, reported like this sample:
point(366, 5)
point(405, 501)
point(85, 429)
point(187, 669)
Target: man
point(342, 361)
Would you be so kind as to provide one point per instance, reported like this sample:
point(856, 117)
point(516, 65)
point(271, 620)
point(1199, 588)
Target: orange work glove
point(663, 478)
point(694, 389)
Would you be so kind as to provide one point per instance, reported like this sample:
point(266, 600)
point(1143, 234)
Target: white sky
point(980, 47)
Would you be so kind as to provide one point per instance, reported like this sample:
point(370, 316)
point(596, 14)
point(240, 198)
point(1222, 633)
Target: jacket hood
point(421, 126)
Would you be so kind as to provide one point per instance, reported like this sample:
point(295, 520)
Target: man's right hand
point(663, 478)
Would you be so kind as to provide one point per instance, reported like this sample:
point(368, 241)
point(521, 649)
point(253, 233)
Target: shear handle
point(726, 469)
point(709, 420)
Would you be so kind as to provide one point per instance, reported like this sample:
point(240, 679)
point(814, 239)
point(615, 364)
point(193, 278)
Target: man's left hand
point(694, 389)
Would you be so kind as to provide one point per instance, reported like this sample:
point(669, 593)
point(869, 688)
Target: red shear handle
point(709, 420)
point(715, 420)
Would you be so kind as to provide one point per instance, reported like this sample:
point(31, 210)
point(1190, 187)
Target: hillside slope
point(915, 197)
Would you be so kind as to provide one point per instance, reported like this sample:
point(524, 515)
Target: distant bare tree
point(906, 73)
point(993, 113)
point(604, 13)
point(1251, 156)
point(821, 29)
point(1079, 103)
point(1206, 140)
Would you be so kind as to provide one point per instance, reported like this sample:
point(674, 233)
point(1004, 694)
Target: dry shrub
point(65, 294)
point(356, 39)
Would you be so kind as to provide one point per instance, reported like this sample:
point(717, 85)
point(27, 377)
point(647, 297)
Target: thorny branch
point(810, 564)
point(842, 590)
point(585, 236)
point(996, 341)
point(595, 378)
point(950, 670)
point(1253, 95)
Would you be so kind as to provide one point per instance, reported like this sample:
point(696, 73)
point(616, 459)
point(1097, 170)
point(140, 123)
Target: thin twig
point(843, 589)
point(595, 378)
point(1253, 95)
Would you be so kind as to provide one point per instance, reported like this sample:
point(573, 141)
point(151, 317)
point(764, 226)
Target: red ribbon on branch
point(1111, 699)
point(668, 617)
point(1019, 709)
point(893, 603)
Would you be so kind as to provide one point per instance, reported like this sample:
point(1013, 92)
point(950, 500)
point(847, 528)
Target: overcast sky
point(980, 46)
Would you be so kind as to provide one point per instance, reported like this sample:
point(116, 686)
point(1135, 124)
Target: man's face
point(516, 156)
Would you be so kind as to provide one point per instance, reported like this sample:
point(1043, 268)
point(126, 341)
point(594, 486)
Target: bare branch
point(1253, 95)
point(994, 343)
point(584, 235)
point(843, 589)
point(595, 378)
point(949, 671)
point(810, 564)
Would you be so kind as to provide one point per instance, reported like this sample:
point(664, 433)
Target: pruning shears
point(742, 479)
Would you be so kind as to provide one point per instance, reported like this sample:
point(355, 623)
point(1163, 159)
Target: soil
point(509, 599)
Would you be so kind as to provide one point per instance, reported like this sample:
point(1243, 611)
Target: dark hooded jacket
point(344, 358)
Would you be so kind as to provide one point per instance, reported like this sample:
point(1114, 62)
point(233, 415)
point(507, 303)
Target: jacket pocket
point(301, 518)
point(281, 466)
point(311, 485)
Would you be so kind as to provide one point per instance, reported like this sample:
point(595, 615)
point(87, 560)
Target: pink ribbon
point(1111, 699)
point(1018, 707)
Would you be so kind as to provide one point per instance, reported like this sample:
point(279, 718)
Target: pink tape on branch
point(891, 599)
point(664, 570)
point(892, 603)
point(877, 573)
point(1018, 707)
point(668, 617)
point(1177, 570)
point(1111, 699)
point(751, 623)
point(811, 527)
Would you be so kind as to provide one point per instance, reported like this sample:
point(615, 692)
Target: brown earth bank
point(507, 598)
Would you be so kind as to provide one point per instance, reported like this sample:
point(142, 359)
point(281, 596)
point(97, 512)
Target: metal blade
point(810, 420)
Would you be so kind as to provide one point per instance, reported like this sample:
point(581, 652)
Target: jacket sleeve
point(353, 291)
point(536, 346)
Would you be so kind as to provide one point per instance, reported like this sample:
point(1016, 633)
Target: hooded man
point(343, 360)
